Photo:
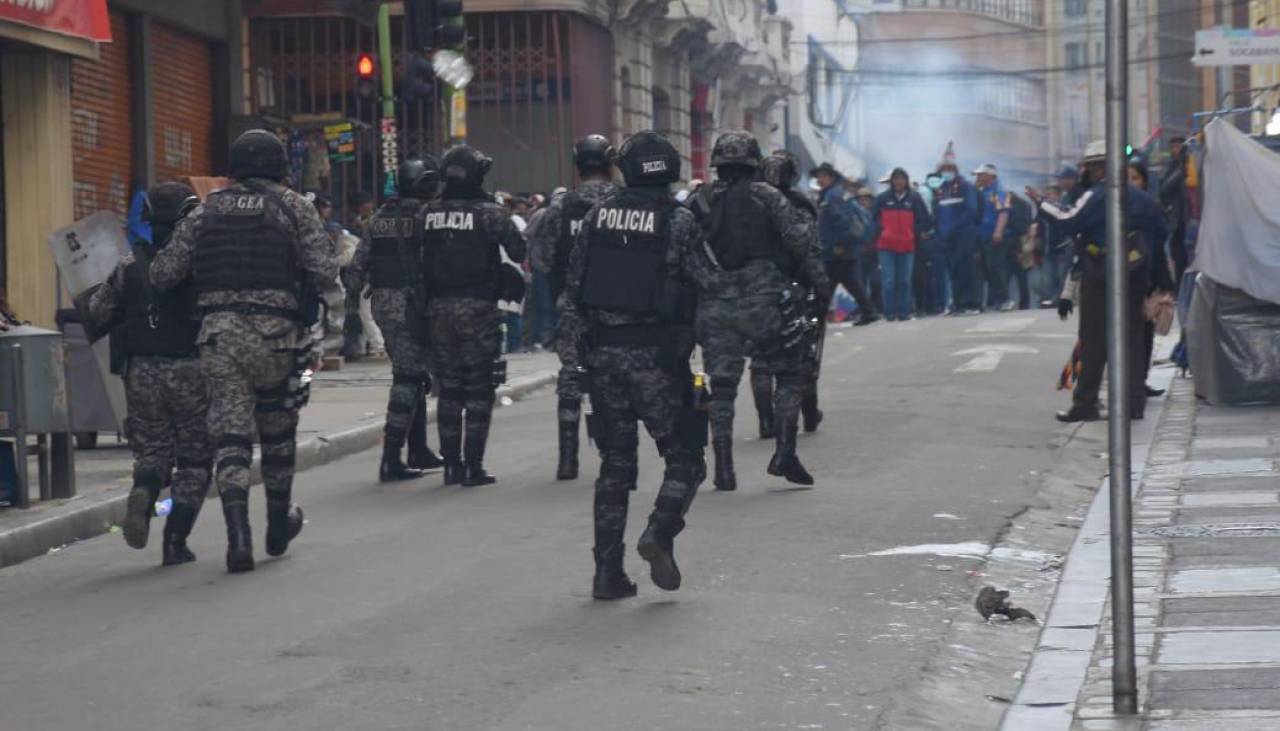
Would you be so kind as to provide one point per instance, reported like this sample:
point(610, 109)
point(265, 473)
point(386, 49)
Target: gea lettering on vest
point(250, 203)
point(451, 220)
point(382, 227)
point(623, 219)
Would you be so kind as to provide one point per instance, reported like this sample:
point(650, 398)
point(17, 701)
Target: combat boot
point(657, 546)
point(284, 523)
point(810, 412)
point(176, 529)
point(391, 469)
point(726, 479)
point(452, 473)
point(422, 458)
point(611, 580)
point(568, 467)
point(785, 463)
point(473, 475)
point(239, 538)
point(137, 520)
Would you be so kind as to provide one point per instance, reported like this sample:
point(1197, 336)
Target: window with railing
point(1026, 12)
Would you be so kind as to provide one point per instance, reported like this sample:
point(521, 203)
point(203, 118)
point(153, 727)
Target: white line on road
point(1004, 325)
point(987, 357)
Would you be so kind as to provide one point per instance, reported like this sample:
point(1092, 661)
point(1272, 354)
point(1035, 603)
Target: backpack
point(1021, 215)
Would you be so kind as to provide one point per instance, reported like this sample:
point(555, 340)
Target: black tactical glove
point(1065, 306)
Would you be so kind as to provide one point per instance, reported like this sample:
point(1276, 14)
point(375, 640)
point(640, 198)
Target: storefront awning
point(69, 26)
point(79, 18)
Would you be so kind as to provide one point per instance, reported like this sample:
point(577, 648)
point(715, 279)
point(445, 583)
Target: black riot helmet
point(465, 166)
point(168, 203)
point(258, 154)
point(780, 170)
point(418, 177)
point(593, 154)
point(736, 148)
point(649, 159)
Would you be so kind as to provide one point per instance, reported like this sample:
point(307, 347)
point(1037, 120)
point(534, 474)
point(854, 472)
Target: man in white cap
point(994, 207)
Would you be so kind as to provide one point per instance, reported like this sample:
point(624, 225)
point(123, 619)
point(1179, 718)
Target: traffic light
point(366, 70)
point(418, 81)
point(453, 29)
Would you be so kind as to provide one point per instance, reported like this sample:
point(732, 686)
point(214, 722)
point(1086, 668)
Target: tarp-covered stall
point(1233, 332)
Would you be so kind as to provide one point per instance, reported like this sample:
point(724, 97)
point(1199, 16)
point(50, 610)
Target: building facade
point(99, 99)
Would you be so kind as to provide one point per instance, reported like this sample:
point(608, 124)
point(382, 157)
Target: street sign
point(1237, 47)
point(341, 139)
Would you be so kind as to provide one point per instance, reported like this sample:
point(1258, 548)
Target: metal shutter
point(182, 86)
point(102, 126)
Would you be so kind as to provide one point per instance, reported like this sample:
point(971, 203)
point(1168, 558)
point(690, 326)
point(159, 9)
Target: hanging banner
point(341, 139)
point(86, 19)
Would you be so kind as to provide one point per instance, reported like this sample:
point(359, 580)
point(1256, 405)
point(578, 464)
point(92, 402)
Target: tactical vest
point(627, 240)
point(461, 257)
point(803, 203)
point(243, 246)
point(573, 210)
point(155, 323)
point(394, 247)
point(741, 230)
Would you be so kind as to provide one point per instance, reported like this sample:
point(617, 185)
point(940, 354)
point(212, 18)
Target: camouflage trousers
point(247, 368)
point(570, 382)
point(730, 330)
point(466, 340)
point(629, 386)
point(168, 405)
point(410, 379)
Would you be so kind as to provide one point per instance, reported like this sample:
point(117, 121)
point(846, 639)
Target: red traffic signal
point(365, 66)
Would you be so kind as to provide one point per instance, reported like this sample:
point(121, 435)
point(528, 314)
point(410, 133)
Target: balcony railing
point(1025, 12)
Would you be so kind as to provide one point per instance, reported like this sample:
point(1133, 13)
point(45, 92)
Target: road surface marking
point(1004, 325)
point(987, 357)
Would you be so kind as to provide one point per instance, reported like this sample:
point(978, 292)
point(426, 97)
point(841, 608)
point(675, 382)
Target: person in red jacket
point(902, 219)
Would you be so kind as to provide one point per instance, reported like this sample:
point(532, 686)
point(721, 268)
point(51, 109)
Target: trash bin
point(33, 400)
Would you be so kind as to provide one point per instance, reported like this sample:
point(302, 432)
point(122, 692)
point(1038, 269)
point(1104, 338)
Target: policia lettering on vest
point(260, 262)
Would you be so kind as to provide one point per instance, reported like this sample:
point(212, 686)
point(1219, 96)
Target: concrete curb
point(93, 519)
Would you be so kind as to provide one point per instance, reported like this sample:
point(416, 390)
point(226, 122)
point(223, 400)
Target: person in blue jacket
point(842, 226)
point(955, 208)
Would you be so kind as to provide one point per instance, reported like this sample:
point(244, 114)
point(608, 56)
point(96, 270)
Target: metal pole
point(1124, 685)
point(390, 141)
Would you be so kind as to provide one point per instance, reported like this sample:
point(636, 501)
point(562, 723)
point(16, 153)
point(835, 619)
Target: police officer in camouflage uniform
point(549, 252)
point(781, 170)
point(165, 388)
point(630, 293)
point(389, 258)
point(258, 257)
point(462, 234)
point(761, 244)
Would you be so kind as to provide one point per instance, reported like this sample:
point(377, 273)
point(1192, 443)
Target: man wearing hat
point(1068, 181)
point(1086, 220)
point(995, 206)
point(840, 230)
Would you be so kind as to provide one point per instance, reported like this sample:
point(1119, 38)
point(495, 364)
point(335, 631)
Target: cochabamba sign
point(1237, 47)
point(85, 19)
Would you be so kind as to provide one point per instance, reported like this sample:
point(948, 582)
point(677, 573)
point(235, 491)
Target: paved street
point(413, 606)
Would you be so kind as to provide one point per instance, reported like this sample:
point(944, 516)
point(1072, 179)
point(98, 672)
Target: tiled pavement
point(1207, 581)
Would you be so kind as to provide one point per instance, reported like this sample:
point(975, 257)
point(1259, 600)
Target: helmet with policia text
point(649, 159)
point(418, 177)
point(465, 165)
point(736, 148)
point(258, 153)
point(780, 170)
point(168, 203)
point(593, 153)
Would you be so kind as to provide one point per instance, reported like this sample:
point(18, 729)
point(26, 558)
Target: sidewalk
point(1206, 586)
point(345, 416)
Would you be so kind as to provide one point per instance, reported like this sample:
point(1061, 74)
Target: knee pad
point(406, 379)
point(724, 389)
